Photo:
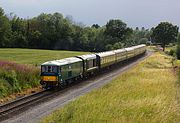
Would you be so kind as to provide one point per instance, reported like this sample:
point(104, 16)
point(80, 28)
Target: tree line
point(53, 31)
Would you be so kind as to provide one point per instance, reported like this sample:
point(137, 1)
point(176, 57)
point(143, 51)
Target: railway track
point(6, 110)
point(20, 105)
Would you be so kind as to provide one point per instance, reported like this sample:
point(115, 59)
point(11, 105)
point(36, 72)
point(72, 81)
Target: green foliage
point(53, 31)
point(5, 30)
point(165, 33)
point(117, 31)
point(139, 37)
point(178, 52)
point(15, 77)
point(178, 48)
point(95, 26)
point(143, 40)
point(172, 52)
point(109, 47)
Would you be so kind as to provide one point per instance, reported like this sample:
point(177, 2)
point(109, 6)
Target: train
point(58, 73)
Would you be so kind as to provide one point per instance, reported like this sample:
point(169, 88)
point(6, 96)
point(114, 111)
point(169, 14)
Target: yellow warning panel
point(49, 78)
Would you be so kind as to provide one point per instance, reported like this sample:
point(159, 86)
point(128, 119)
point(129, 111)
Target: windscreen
point(49, 69)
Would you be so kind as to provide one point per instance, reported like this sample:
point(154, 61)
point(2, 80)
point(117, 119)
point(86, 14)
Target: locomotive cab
point(58, 73)
point(50, 75)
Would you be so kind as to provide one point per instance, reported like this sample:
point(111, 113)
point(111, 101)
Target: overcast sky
point(136, 13)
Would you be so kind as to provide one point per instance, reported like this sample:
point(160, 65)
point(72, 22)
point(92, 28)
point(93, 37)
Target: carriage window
point(90, 64)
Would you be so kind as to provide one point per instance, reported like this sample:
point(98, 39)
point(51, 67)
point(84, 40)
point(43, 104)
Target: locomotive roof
point(108, 53)
point(62, 61)
point(88, 56)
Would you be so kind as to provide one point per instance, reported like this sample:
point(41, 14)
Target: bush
point(16, 77)
point(178, 52)
point(172, 52)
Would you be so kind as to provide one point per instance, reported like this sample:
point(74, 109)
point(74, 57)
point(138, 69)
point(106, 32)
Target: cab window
point(49, 69)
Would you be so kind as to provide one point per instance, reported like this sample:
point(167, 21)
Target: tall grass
point(16, 77)
point(145, 94)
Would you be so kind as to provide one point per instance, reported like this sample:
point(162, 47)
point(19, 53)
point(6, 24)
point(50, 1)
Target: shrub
point(172, 52)
point(178, 52)
point(16, 77)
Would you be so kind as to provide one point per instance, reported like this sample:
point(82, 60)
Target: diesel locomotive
point(61, 72)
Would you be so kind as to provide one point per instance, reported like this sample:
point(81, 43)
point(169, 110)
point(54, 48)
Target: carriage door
point(70, 72)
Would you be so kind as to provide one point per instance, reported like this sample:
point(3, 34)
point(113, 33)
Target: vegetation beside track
point(34, 57)
point(17, 77)
point(147, 93)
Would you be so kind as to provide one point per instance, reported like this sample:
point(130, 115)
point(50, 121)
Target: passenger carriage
point(130, 52)
point(106, 59)
point(121, 55)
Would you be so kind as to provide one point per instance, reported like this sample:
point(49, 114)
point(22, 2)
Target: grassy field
point(147, 93)
point(34, 57)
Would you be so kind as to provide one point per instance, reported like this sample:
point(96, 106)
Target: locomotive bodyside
point(55, 73)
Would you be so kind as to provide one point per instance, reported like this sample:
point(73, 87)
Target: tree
point(178, 48)
point(165, 33)
point(95, 26)
point(19, 29)
point(117, 31)
point(141, 36)
point(53, 31)
point(5, 30)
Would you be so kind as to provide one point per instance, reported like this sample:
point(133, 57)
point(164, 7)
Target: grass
point(170, 48)
point(177, 63)
point(147, 93)
point(34, 57)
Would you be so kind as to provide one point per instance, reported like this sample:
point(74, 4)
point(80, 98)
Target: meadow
point(146, 93)
point(34, 57)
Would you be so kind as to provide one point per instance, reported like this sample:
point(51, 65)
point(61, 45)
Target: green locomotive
point(58, 72)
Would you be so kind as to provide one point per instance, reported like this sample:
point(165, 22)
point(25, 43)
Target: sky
point(135, 13)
